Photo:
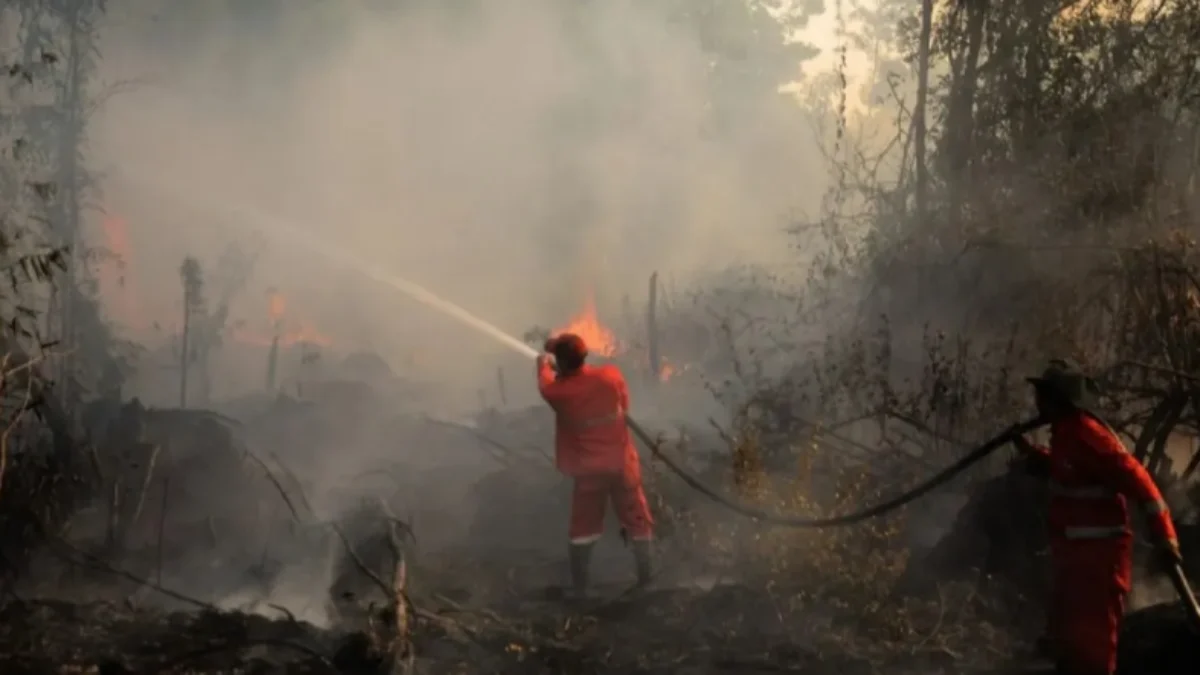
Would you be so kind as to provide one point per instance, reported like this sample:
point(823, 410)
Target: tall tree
point(919, 114)
point(192, 278)
point(50, 101)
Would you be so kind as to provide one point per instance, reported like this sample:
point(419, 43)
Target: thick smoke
point(515, 157)
point(512, 156)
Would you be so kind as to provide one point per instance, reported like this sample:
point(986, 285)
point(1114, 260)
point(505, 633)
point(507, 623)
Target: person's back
point(1093, 477)
point(590, 432)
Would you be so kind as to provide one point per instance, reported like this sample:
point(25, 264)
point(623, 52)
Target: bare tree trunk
point(71, 107)
point(652, 327)
point(960, 123)
point(183, 348)
point(273, 359)
point(205, 393)
point(920, 129)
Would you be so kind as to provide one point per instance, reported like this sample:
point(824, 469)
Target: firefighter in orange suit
point(1093, 481)
point(592, 445)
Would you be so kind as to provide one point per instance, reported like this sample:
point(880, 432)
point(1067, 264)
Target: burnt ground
point(727, 629)
point(731, 599)
point(468, 613)
point(471, 615)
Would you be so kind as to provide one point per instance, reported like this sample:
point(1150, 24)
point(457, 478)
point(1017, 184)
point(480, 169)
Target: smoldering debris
point(247, 565)
point(254, 539)
point(115, 639)
point(270, 556)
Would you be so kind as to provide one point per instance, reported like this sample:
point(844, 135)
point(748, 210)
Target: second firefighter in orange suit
point(1093, 482)
point(592, 445)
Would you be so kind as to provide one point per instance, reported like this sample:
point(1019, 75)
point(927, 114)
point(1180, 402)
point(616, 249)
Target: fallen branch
point(247, 644)
point(397, 647)
point(146, 480)
point(20, 414)
point(89, 560)
point(278, 486)
point(488, 441)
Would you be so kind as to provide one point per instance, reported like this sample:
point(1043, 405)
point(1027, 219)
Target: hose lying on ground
point(845, 519)
point(760, 515)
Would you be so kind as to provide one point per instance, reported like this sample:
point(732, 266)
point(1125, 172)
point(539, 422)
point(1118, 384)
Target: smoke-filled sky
point(508, 155)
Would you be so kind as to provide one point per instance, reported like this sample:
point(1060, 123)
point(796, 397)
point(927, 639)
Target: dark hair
point(569, 352)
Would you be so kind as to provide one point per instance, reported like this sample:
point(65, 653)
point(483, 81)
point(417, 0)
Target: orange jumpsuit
point(592, 445)
point(1091, 545)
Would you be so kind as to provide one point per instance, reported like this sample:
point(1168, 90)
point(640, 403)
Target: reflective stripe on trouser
point(1090, 580)
point(589, 500)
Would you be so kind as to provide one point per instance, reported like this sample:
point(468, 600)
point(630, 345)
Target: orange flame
point(115, 277)
point(305, 333)
point(666, 371)
point(276, 305)
point(599, 339)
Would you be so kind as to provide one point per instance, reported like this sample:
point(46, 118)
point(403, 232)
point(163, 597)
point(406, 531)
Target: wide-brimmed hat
point(1067, 383)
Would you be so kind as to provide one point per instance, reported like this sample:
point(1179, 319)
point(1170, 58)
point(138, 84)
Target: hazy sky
point(513, 165)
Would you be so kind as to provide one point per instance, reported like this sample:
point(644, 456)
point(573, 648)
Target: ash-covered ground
point(216, 545)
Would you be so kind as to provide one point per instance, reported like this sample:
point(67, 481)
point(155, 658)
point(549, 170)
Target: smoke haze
point(511, 156)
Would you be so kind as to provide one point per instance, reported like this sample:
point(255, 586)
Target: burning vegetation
point(639, 353)
point(598, 338)
point(281, 334)
point(1043, 204)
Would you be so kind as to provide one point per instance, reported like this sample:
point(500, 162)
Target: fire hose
point(1174, 572)
point(892, 504)
point(1184, 589)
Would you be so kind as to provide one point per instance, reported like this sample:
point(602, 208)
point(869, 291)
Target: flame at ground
point(666, 371)
point(599, 339)
point(304, 333)
point(276, 305)
point(115, 277)
point(603, 342)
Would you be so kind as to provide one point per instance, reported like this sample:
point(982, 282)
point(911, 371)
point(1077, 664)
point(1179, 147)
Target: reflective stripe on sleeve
point(1155, 507)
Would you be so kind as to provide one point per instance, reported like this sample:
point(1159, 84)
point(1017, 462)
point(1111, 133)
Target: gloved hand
point(1022, 444)
point(1035, 462)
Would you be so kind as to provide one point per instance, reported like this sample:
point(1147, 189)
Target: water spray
point(288, 232)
